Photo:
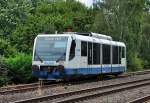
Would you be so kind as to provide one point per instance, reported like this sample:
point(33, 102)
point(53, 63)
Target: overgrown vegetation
point(4, 72)
point(20, 68)
point(22, 20)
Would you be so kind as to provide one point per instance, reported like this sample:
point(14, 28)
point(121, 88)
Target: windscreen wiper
point(60, 57)
point(38, 56)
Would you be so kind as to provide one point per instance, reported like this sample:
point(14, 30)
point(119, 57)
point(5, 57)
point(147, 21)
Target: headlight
point(35, 67)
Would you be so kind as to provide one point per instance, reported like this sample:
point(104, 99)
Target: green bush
point(146, 64)
point(20, 68)
point(3, 72)
point(3, 80)
point(134, 62)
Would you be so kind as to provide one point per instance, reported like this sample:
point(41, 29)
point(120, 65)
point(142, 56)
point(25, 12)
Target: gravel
point(121, 97)
point(61, 89)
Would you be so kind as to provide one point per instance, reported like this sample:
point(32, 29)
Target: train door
point(123, 57)
point(90, 57)
point(84, 56)
point(96, 58)
point(78, 53)
point(119, 58)
point(106, 58)
point(115, 60)
point(111, 56)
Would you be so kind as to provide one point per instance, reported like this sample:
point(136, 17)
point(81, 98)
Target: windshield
point(50, 48)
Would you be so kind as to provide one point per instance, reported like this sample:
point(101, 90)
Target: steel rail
point(34, 86)
point(91, 96)
point(87, 90)
point(136, 73)
point(18, 86)
point(140, 100)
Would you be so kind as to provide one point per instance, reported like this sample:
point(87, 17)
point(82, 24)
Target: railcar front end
point(49, 56)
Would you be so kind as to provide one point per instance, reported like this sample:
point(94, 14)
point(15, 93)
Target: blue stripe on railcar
point(77, 72)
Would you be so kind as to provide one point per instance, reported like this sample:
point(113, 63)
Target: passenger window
point(115, 54)
point(83, 48)
point(72, 50)
point(123, 52)
point(106, 54)
point(96, 53)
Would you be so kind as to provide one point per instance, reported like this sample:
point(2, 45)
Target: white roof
point(85, 38)
point(102, 41)
point(52, 35)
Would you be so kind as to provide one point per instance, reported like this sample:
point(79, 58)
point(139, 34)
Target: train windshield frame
point(50, 48)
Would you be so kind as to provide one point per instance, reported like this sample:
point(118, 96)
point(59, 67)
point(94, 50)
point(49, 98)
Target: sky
point(87, 2)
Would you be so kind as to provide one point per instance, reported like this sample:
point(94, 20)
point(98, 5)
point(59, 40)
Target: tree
point(11, 13)
point(123, 20)
point(49, 17)
point(145, 43)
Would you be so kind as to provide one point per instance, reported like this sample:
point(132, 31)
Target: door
point(84, 57)
point(106, 58)
point(96, 58)
point(90, 59)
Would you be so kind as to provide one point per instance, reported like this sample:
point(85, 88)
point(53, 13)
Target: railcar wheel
point(100, 77)
point(117, 74)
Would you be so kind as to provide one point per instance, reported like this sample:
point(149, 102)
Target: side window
point(106, 54)
point(72, 50)
point(83, 48)
point(89, 53)
point(115, 54)
point(96, 53)
point(123, 52)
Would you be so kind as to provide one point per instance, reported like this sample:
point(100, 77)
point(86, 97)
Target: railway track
point(26, 88)
point(135, 73)
point(35, 86)
point(9, 88)
point(145, 99)
point(88, 93)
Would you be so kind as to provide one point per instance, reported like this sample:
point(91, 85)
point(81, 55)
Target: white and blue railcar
point(62, 56)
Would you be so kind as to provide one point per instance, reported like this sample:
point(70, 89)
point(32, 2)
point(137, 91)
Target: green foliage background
point(22, 20)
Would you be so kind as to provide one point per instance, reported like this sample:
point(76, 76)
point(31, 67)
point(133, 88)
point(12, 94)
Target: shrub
point(3, 72)
point(3, 80)
point(20, 68)
point(134, 62)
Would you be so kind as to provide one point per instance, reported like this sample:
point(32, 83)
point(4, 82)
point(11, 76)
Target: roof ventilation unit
point(101, 36)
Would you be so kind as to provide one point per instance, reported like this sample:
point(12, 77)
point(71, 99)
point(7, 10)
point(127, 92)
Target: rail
point(88, 92)
point(141, 100)
point(34, 86)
